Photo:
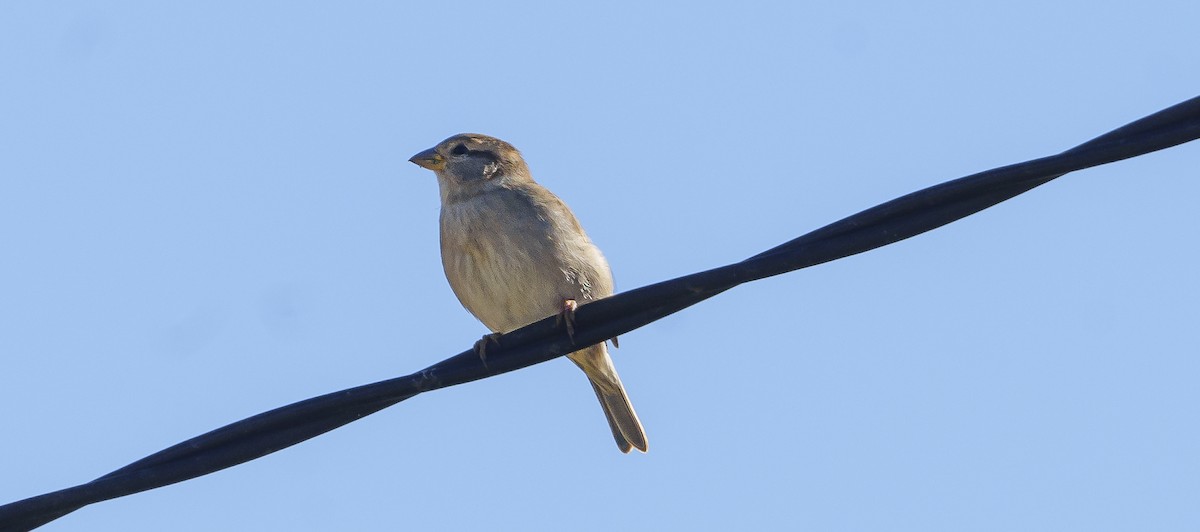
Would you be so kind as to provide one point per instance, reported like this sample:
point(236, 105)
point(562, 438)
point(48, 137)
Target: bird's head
point(468, 163)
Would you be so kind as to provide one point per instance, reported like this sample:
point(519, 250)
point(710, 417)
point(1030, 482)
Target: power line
point(878, 226)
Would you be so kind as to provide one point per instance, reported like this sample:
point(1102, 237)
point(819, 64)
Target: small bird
point(514, 254)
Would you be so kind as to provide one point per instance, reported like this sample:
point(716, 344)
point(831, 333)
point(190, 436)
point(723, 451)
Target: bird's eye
point(460, 149)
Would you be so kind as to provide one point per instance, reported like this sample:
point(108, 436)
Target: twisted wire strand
point(541, 341)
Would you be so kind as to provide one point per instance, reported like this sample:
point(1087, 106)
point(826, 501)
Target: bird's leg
point(567, 316)
point(482, 343)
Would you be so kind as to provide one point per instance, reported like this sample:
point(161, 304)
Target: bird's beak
point(428, 159)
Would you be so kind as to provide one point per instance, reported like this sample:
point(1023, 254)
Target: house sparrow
point(514, 253)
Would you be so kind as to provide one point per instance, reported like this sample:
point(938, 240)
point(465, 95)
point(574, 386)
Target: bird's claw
point(482, 343)
point(567, 317)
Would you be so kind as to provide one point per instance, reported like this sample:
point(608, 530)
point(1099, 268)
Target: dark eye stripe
point(485, 154)
point(461, 149)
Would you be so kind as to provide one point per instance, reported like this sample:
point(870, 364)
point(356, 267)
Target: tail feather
point(622, 420)
point(622, 443)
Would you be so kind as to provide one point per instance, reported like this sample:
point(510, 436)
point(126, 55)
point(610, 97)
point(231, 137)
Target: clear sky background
point(206, 211)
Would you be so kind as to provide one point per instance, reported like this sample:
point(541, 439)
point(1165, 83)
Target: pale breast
point(511, 260)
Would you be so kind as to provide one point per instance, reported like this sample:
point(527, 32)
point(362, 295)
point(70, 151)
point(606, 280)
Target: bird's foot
point(567, 317)
point(482, 344)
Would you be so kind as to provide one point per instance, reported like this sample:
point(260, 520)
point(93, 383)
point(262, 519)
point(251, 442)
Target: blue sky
point(206, 212)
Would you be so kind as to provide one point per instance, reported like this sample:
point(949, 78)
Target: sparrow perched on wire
point(514, 253)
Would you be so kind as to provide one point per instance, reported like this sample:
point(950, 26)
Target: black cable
point(878, 226)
